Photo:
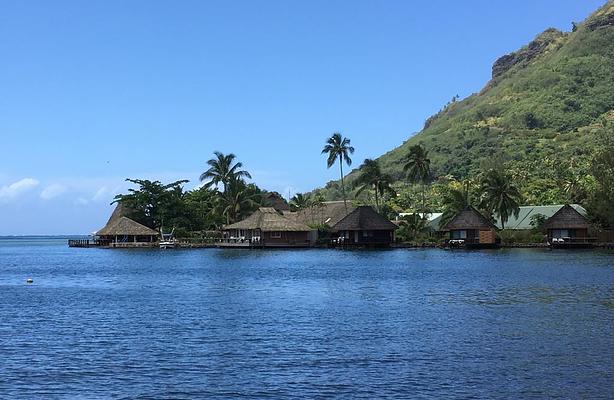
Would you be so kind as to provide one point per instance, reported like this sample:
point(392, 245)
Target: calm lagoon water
point(314, 323)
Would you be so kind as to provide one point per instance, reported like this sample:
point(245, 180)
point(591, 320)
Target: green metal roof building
point(523, 221)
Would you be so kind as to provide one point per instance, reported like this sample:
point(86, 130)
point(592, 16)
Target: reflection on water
point(229, 323)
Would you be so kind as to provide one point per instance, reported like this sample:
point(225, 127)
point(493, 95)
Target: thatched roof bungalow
point(267, 227)
point(470, 228)
point(568, 227)
point(363, 226)
point(121, 231)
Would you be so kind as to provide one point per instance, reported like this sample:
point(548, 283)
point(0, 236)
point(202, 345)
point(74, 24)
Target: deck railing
point(87, 243)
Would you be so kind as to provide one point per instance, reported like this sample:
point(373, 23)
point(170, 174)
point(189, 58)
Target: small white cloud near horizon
point(52, 191)
point(18, 188)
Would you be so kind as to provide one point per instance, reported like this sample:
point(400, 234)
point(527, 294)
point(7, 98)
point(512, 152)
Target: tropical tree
point(372, 177)
point(602, 172)
point(499, 195)
point(454, 201)
point(316, 206)
point(222, 170)
point(412, 226)
point(338, 148)
point(154, 203)
point(200, 208)
point(418, 169)
point(238, 201)
point(299, 202)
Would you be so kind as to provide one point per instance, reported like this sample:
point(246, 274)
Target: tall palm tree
point(418, 168)
point(222, 170)
point(338, 148)
point(372, 177)
point(299, 202)
point(500, 195)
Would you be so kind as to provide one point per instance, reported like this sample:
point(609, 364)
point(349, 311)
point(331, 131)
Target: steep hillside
point(540, 111)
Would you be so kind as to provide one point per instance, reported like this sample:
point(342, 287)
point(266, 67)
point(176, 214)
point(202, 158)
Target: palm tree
point(418, 168)
point(238, 200)
point(454, 201)
point(299, 202)
point(338, 147)
point(412, 226)
point(372, 177)
point(316, 206)
point(222, 171)
point(499, 195)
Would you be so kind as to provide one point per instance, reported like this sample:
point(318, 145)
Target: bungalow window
point(275, 235)
point(560, 233)
point(459, 234)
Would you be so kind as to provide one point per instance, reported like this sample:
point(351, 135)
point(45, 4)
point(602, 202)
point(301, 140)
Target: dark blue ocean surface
point(315, 323)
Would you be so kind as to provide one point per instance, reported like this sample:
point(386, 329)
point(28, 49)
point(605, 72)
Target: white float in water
point(29, 280)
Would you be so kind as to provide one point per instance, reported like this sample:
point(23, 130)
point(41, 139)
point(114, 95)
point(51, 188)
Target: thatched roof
point(123, 226)
point(469, 218)
point(267, 219)
point(364, 218)
point(329, 213)
point(567, 218)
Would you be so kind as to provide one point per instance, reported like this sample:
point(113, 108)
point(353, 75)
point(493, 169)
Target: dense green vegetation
point(541, 119)
point(197, 211)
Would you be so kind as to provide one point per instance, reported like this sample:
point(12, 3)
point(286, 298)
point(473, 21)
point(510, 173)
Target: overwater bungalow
point(265, 228)
point(363, 226)
point(568, 228)
point(120, 232)
point(125, 232)
point(470, 229)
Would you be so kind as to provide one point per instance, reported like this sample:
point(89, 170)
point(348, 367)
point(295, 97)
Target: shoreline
point(426, 245)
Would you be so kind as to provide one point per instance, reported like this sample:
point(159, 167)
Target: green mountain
point(539, 114)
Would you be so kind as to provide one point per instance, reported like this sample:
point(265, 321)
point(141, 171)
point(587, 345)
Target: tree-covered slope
point(540, 113)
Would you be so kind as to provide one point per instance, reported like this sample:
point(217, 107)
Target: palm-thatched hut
point(363, 226)
point(568, 228)
point(121, 231)
point(267, 227)
point(469, 228)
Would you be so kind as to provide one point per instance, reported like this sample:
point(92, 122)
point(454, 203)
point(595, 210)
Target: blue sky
point(95, 92)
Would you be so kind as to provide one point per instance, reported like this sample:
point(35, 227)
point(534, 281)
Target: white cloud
point(100, 193)
point(81, 201)
point(51, 191)
point(16, 189)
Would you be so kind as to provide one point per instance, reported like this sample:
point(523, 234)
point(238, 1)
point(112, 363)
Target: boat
point(167, 241)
